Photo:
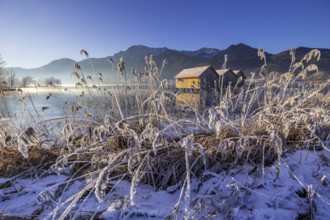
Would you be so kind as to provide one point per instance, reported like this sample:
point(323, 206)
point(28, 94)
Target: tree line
point(9, 80)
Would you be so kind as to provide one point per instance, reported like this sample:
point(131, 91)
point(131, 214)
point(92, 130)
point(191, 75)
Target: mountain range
point(240, 56)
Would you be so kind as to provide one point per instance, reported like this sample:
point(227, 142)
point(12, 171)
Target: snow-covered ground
point(297, 186)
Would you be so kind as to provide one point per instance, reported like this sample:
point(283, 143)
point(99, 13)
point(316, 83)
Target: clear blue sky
point(35, 32)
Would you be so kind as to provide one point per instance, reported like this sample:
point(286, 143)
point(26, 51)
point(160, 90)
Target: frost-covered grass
point(299, 191)
point(262, 151)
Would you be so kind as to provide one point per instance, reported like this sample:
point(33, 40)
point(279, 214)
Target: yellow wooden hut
point(191, 81)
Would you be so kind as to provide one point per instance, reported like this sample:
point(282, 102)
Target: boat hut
point(192, 81)
point(239, 73)
point(228, 76)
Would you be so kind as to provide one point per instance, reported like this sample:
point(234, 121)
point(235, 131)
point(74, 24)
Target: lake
point(44, 103)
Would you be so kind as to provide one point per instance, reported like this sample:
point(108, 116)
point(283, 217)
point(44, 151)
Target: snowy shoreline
point(300, 189)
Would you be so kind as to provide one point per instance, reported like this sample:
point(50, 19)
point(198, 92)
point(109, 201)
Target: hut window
point(194, 91)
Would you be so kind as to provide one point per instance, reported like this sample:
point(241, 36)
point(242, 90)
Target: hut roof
point(224, 71)
point(239, 72)
point(192, 72)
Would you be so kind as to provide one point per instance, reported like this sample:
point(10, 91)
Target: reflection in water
point(55, 102)
point(188, 98)
point(35, 105)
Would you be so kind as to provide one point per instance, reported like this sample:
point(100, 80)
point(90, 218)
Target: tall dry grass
point(133, 133)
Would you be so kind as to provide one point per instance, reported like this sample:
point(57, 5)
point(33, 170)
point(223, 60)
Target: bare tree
point(26, 80)
point(3, 84)
point(2, 63)
point(52, 81)
point(10, 78)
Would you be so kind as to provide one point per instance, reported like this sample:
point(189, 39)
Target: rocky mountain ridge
point(240, 56)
